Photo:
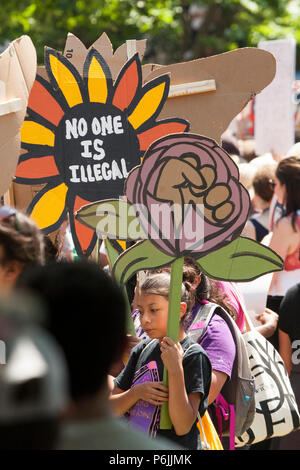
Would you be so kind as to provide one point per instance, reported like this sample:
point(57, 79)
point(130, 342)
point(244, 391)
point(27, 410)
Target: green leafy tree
point(226, 24)
point(229, 24)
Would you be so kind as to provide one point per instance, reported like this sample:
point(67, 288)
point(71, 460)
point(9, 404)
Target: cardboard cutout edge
point(17, 74)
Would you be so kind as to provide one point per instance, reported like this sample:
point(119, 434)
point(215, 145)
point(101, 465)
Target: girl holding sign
point(139, 389)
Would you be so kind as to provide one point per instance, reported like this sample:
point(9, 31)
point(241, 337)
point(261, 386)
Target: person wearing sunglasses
point(21, 245)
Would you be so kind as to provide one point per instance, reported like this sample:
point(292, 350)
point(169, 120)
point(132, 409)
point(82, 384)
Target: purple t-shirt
point(219, 345)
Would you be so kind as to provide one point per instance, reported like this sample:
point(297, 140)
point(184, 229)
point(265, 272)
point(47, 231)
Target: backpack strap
point(139, 361)
point(226, 412)
point(201, 321)
point(188, 349)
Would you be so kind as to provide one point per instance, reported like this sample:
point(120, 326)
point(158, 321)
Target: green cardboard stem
point(111, 253)
point(130, 326)
point(172, 327)
point(112, 256)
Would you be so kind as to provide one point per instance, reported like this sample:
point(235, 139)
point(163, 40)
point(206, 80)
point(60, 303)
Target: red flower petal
point(84, 235)
point(43, 103)
point(127, 86)
point(161, 129)
point(35, 168)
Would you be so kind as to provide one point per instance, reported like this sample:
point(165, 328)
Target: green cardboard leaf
point(143, 255)
point(241, 260)
point(111, 252)
point(112, 255)
point(114, 218)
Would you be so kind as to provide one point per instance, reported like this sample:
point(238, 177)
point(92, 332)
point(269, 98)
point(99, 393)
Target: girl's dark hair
point(207, 289)
point(21, 240)
point(219, 297)
point(288, 173)
point(51, 252)
point(159, 284)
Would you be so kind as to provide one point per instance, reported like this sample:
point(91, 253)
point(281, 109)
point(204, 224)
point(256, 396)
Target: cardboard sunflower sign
point(83, 134)
point(92, 113)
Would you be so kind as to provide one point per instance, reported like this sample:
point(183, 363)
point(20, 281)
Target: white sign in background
point(274, 106)
point(255, 295)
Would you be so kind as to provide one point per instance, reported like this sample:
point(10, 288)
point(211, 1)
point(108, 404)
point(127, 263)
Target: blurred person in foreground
point(87, 316)
point(33, 378)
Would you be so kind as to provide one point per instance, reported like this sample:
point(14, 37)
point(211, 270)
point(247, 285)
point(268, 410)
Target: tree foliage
point(226, 24)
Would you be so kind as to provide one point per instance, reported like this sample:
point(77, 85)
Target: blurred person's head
point(248, 151)
point(21, 245)
point(287, 184)
point(51, 252)
point(86, 315)
point(263, 190)
point(33, 378)
point(246, 175)
point(294, 151)
point(230, 144)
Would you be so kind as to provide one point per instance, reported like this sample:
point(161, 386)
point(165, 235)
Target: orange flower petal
point(43, 103)
point(35, 168)
point(160, 130)
point(127, 85)
point(86, 237)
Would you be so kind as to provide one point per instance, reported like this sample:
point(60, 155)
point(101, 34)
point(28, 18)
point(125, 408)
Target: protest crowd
point(148, 341)
point(82, 389)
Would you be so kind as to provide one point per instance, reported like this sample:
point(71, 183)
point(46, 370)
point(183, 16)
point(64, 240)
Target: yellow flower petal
point(97, 83)
point(49, 208)
point(122, 244)
point(34, 133)
point(66, 81)
point(147, 106)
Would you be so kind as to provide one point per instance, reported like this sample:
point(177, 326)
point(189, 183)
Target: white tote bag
point(276, 411)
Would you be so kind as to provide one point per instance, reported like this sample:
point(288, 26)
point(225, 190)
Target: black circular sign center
point(95, 148)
